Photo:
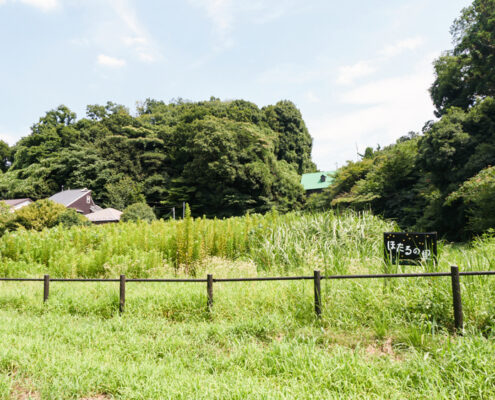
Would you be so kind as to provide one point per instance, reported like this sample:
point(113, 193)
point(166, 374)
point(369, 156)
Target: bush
point(478, 194)
point(7, 218)
point(38, 215)
point(71, 217)
point(138, 212)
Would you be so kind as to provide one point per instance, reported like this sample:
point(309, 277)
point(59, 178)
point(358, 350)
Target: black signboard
point(410, 247)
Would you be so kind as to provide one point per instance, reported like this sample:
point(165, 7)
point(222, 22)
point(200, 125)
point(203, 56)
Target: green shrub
point(6, 218)
point(138, 212)
point(38, 215)
point(478, 194)
point(71, 217)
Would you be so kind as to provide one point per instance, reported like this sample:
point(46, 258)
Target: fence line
point(454, 273)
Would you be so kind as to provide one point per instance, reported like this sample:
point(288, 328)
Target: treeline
point(224, 158)
point(443, 178)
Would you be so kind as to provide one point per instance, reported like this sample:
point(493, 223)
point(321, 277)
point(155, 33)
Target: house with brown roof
point(78, 199)
point(82, 201)
point(105, 216)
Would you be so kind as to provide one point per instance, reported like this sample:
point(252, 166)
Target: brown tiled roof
point(14, 202)
point(105, 215)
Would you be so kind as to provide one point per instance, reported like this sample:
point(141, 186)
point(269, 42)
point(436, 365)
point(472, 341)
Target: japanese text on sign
point(410, 248)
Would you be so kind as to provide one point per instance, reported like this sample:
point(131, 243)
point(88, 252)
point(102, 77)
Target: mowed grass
point(376, 339)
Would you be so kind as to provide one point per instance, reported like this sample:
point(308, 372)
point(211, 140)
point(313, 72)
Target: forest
point(224, 158)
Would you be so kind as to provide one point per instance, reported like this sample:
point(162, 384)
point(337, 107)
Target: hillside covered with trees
point(223, 158)
point(444, 177)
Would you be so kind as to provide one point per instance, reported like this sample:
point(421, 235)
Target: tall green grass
point(376, 339)
point(277, 243)
point(284, 244)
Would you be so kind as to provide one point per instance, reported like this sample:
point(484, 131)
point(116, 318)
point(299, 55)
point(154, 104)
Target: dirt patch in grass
point(96, 397)
point(23, 390)
point(380, 350)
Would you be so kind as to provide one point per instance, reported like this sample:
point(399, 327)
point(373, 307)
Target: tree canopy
point(464, 75)
point(222, 157)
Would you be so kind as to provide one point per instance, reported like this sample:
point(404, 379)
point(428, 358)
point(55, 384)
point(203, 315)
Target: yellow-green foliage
point(7, 217)
point(291, 242)
point(40, 214)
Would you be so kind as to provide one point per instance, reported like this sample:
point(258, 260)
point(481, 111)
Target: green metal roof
point(315, 181)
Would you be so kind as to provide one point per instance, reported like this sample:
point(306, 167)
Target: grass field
point(376, 339)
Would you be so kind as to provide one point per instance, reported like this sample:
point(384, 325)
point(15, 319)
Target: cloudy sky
point(359, 70)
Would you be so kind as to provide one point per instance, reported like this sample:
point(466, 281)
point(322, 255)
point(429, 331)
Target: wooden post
point(46, 287)
point(317, 285)
point(456, 294)
point(209, 290)
point(122, 293)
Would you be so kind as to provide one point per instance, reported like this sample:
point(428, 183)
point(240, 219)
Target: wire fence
point(454, 273)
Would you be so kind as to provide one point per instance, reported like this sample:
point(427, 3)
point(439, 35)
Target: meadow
point(388, 339)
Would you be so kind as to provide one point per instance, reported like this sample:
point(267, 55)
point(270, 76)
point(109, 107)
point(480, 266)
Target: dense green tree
point(124, 193)
point(466, 74)
point(293, 143)
point(237, 157)
point(221, 157)
point(5, 156)
point(390, 184)
point(478, 193)
point(459, 145)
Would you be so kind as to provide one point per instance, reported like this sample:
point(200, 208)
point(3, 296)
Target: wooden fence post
point(317, 285)
point(456, 294)
point(122, 294)
point(46, 288)
point(209, 290)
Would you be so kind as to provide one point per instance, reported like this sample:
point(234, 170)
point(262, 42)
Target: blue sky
point(358, 70)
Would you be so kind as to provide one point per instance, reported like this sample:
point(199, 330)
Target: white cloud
point(45, 5)
point(11, 137)
point(117, 29)
point(225, 14)
point(379, 112)
point(110, 62)
point(311, 97)
point(146, 57)
point(400, 46)
point(222, 14)
point(349, 73)
point(136, 37)
point(291, 74)
point(133, 41)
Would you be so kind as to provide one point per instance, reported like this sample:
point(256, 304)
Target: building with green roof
point(317, 181)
